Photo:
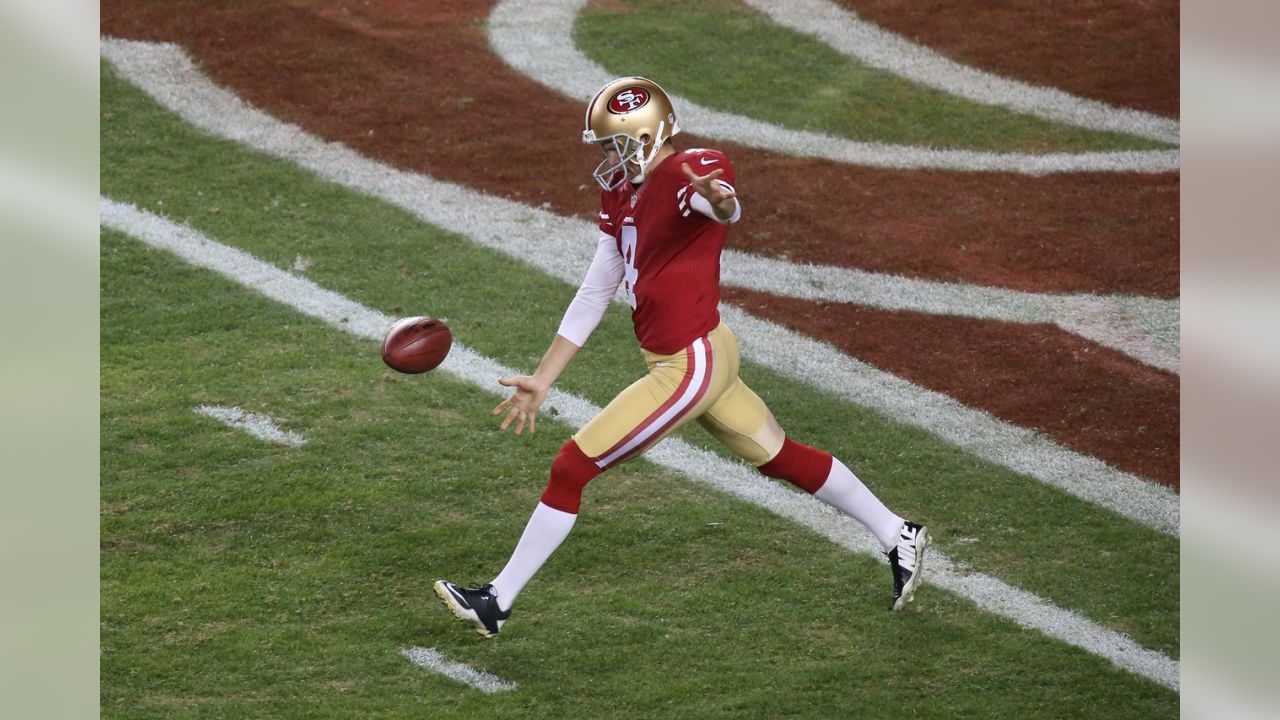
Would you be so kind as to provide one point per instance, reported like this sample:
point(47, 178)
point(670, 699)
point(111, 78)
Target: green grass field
point(726, 56)
point(246, 580)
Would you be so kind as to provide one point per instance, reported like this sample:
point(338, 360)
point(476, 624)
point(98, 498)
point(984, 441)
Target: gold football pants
point(698, 383)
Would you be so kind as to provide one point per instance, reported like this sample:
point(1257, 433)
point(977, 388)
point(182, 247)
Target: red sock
point(805, 467)
point(570, 472)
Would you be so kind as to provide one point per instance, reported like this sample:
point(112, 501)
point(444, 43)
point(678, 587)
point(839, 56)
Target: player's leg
point(552, 520)
point(744, 423)
point(676, 389)
point(488, 607)
point(741, 420)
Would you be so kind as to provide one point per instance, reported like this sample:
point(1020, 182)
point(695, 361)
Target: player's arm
point(597, 289)
point(580, 320)
point(531, 390)
point(714, 198)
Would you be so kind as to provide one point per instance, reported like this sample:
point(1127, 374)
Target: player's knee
point(803, 466)
point(570, 472)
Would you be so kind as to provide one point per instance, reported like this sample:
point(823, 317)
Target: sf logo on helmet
point(624, 101)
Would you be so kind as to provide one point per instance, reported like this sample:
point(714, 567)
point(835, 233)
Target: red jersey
point(670, 252)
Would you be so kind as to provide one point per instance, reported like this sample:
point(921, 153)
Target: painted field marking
point(256, 424)
point(433, 660)
point(734, 478)
point(536, 38)
point(554, 244)
point(1145, 329)
point(845, 32)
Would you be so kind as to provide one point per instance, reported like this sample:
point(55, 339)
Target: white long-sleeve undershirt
point(597, 289)
point(703, 205)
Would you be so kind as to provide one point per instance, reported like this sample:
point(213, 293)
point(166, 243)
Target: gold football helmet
point(630, 118)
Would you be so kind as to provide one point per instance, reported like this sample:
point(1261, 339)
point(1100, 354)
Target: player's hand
point(707, 187)
point(522, 406)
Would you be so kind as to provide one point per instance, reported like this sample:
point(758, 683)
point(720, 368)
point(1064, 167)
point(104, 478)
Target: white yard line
point(256, 424)
point(850, 35)
point(562, 247)
point(536, 38)
point(433, 660)
point(988, 593)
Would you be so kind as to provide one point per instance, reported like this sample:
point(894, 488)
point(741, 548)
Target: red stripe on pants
point(690, 371)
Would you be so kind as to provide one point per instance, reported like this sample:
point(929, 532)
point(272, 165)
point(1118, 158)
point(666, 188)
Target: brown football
point(416, 344)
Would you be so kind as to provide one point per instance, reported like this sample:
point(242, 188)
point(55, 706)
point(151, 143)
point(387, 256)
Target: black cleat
point(907, 562)
point(478, 606)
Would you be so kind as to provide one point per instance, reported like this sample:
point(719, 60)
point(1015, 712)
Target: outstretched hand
point(523, 405)
point(707, 187)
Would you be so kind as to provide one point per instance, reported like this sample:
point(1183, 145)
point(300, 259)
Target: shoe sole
point(460, 612)
point(909, 592)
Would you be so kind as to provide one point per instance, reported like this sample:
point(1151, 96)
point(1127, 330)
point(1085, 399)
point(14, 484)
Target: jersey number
point(629, 273)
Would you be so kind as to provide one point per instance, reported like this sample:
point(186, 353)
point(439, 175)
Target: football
point(416, 344)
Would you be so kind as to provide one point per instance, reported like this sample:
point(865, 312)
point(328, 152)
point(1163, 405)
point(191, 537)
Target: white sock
point(845, 492)
point(546, 529)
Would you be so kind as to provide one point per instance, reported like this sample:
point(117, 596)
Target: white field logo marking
point(703, 466)
point(844, 31)
point(256, 424)
point(434, 661)
point(552, 243)
point(536, 38)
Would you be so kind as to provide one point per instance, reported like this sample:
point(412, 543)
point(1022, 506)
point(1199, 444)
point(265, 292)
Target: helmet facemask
point(630, 119)
point(625, 159)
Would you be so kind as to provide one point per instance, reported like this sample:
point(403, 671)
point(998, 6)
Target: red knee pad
point(803, 466)
point(570, 472)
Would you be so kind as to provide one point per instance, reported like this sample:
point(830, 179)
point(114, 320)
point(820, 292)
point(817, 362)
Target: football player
point(664, 215)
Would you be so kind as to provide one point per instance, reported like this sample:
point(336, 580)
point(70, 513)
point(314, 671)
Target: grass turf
point(240, 579)
point(744, 63)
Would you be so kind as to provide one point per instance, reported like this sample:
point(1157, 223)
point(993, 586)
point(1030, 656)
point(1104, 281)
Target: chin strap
point(657, 145)
point(642, 161)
